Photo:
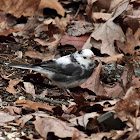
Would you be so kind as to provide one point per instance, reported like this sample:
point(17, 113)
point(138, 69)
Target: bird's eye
point(84, 57)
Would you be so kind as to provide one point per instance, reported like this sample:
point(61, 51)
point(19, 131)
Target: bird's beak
point(92, 58)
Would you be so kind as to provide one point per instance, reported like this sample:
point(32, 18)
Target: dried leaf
point(46, 125)
point(132, 41)
point(34, 105)
point(38, 55)
point(25, 119)
point(52, 4)
point(130, 102)
point(107, 33)
point(18, 8)
point(84, 119)
point(93, 83)
point(29, 88)
point(52, 45)
point(78, 28)
point(5, 117)
point(97, 16)
point(13, 110)
point(12, 83)
point(117, 58)
point(104, 37)
point(77, 42)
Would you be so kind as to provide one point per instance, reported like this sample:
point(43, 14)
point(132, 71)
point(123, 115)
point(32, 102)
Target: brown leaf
point(130, 102)
point(107, 33)
point(7, 32)
point(93, 83)
point(5, 117)
point(34, 105)
point(78, 28)
point(46, 125)
point(29, 88)
point(104, 37)
point(117, 90)
point(119, 6)
point(97, 16)
point(135, 82)
point(25, 119)
point(52, 4)
point(13, 110)
point(38, 55)
point(52, 43)
point(77, 42)
point(84, 119)
point(62, 23)
point(117, 58)
point(18, 8)
point(132, 41)
point(12, 83)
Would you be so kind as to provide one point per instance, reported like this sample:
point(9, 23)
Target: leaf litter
point(106, 106)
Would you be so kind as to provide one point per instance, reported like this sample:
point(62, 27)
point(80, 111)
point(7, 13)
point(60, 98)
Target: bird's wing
point(67, 69)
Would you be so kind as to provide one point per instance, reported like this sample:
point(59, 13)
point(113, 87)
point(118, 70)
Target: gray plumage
point(67, 71)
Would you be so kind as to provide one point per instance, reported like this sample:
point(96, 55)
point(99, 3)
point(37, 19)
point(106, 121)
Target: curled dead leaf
point(12, 83)
point(117, 58)
point(38, 55)
point(46, 125)
point(34, 105)
point(52, 4)
point(18, 8)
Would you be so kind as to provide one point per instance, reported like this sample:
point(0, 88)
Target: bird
point(67, 71)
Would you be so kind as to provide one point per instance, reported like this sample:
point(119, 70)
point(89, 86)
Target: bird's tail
point(21, 66)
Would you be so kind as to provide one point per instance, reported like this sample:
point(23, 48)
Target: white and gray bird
point(65, 72)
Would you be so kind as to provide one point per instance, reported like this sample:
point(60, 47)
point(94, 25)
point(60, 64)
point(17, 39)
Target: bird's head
point(85, 57)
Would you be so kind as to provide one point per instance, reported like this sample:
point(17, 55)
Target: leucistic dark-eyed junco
point(65, 72)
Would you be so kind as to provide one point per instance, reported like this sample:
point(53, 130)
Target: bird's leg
point(66, 91)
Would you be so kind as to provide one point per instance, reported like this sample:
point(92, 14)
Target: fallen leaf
point(34, 105)
point(132, 41)
point(18, 8)
point(130, 103)
point(5, 117)
point(10, 31)
point(104, 37)
point(29, 88)
point(52, 44)
point(117, 90)
point(78, 28)
point(45, 125)
point(52, 4)
point(107, 33)
point(24, 119)
point(118, 6)
point(12, 83)
point(38, 55)
point(13, 110)
point(100, 16)
point(135, 82)
point(93, 83)
point(5, 77)
point(62, 23)
point(77, 42)
point(84, 119)
point(117, 58)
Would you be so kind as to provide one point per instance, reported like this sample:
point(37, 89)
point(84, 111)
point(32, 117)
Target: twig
point(53, 101)
point(4, 57)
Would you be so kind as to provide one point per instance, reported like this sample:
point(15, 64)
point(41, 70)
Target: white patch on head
point(84, 58)
point(64, 60)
